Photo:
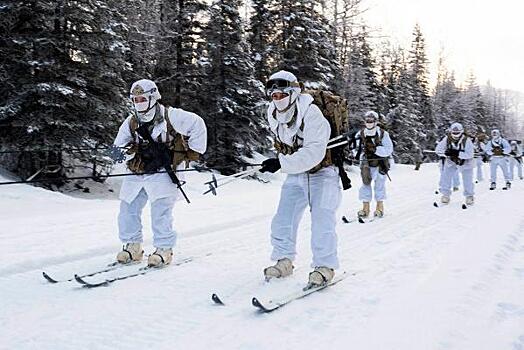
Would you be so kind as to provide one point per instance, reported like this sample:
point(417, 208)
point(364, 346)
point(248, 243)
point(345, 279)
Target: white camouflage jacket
point(313, 138)
point(160, 185)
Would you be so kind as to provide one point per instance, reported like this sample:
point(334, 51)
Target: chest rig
point(497, 148)
point(298, 140)
point(176, 143)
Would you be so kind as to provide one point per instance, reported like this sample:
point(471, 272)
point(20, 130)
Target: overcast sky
point(486, 37)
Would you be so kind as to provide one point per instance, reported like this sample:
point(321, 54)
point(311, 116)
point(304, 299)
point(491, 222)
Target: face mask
point(370, 126)
point(148, 116)
point(456, 136)
point(282, 104)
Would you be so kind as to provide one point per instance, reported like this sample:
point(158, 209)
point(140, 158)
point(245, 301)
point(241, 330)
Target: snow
point(421, 277)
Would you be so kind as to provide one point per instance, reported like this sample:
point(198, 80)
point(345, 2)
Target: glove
point(452, 153)
point(271, 165)
point(115, 154)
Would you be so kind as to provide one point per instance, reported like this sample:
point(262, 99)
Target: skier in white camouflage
point(456, 153)
point(515, 160)
point(179, 137)
point(301, 136)
point(374, 147)
point(498, 149)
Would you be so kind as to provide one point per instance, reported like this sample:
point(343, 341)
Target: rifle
point(337, 155)
point(161, 152)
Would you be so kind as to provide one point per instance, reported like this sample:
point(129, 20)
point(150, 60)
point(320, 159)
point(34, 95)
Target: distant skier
point(515, 159)
point(480, 154)
point(374, 147)
point(179, 136)
point(498, 149)
point(456, 152)
point(301, 136)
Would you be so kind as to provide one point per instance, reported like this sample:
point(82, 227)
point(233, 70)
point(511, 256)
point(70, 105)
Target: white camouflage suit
point(501, 161)
point(320, 190)
point(365, 194)
point(158, 188)
point(449, 169)
point(480, 149)
point(515, 161)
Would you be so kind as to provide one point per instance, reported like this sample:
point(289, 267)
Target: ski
point(216, 299)
point(110, 267)
point(273, 304)
point(366, 220)
point(141, 271)
point(346, 220)
point(436, 205)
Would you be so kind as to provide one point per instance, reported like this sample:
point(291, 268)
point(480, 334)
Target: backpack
point(335, 110)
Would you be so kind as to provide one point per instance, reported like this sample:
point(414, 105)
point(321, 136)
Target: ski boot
point(320, 276)
point(379, 211)
point(492, 186)
point(470, 200)
point(130, 252)
point(444, 199)
point(364, 213)
point(283, 268)
point(508, 186)
point(161, 256)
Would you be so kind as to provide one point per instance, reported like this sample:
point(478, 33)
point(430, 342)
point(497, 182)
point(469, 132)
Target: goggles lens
point(277, 84)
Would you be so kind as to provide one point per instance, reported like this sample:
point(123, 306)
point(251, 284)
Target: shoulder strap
point(133, 125)
point(170, 129)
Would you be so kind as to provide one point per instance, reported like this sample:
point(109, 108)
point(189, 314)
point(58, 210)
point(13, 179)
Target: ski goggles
point(142, 97)
point(280, 84)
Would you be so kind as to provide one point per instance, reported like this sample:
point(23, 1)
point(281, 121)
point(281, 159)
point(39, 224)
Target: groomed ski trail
point(427, 278)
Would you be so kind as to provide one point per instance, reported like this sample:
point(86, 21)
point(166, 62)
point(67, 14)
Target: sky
point(483, 37)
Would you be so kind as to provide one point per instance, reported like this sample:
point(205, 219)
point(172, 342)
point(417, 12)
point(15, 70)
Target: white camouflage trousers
point(480, 164)
point(322, 192)
point(365, 193)
point(130, 221)
point(513, 162)
point(449, 172)
point(503, 163)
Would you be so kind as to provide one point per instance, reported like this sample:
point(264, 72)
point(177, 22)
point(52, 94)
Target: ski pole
point(228, 179)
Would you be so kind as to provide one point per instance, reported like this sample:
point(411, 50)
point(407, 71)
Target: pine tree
point(305, 45)
point(420, 87)
point(262, 38)
point(405, 124)
point(232, 90)
point(63, 64)
point(476, 110)
point(143, 22)
point(178, 73)
point(361, 85)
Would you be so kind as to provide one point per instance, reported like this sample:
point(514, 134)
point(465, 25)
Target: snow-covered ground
point(421, 277)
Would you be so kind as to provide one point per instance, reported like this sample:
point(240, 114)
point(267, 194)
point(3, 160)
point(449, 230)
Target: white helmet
point(514, 142)
point(456, 130)
point(144, 94)
point(284, 82)
point(495, 133)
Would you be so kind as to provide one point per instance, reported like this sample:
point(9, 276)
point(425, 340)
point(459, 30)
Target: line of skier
point(160, 137)
point(460, 154)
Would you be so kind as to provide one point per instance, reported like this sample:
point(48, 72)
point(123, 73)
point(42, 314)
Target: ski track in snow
point(424, 277)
